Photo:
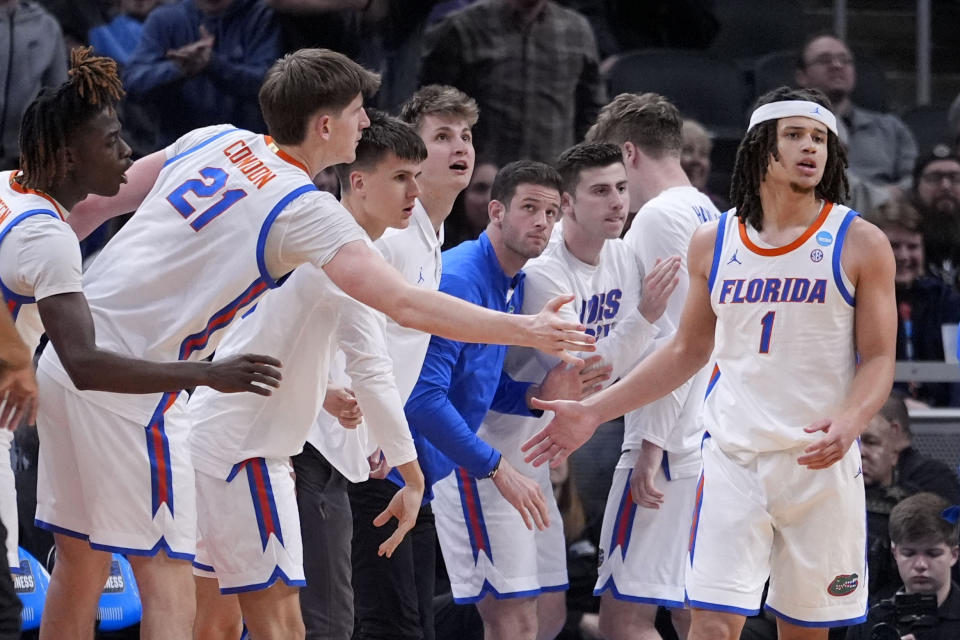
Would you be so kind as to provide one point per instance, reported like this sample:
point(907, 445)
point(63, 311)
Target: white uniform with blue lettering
point(242, 442)
point(785, 358)
point(39, 258)
point(628, 569)
point(415, 253)
point(229, 213)
point(486, 546)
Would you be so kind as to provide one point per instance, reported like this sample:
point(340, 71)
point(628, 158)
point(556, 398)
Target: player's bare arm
point(18, 386)
point(69, 325)
point(658, 374)
point(366, 276)
point(868, 261)
point(93, 211)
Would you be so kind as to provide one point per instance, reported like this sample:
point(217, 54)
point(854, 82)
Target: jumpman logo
point(816, 110)
point(859, 472)
point(734, 258)
point(421, 276)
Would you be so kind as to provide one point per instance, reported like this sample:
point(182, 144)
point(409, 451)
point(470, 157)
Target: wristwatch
point(496, 467)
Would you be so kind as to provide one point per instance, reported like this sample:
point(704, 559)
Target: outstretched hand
point(572, 425)
point(572, 382)
point(245, 372)
point(839, 434)
point(658, 285)
point(550, 333)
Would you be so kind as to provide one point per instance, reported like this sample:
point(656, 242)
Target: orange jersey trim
point(787, 248)
point(284, 155)
point(19, 188)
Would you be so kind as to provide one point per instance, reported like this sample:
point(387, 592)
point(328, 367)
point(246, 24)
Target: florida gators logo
point(843, 585)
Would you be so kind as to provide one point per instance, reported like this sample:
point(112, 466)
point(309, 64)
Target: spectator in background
point(923, 534)
point(119, 37)
point(200, 62)
point(532, 66)
point(695, 160)
point(469, 216)
point(328, 24)
point(924, 302)
point(878, 462)
point(78, 17)
point(936, 194)
point(916, 472)
point(880, 148)
point(33, 57)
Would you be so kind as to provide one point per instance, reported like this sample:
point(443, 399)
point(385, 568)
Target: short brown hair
point(583, 156)
point(919, 518)
point(896, 213)
point(439, 100)
point(309, 81)
point(648, 120)
point(521, 172)
point(384, 136)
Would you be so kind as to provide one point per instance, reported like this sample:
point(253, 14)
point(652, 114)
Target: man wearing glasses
point(881, 149)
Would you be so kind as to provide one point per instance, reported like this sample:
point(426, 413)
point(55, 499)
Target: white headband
point(789, 108)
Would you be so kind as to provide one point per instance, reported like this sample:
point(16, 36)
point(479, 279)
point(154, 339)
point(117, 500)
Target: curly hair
point(56, 114)
point(760, 144)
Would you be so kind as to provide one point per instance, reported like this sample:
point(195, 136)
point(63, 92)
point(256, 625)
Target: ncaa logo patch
point(824, 238)
point(816, 255)
point(843, 585)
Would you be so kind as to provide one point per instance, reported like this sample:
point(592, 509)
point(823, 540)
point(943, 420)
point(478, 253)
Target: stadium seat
point(749, 28)
point(703, 87)
point(929, 126)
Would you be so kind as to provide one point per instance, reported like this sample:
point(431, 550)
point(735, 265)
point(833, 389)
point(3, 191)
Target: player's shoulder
point(46, 236)
point(551, 265)
point(198, 136)
point(42, 227)
point(863, 233)
point(683, 206)
point(314, 203)
point(617, 251)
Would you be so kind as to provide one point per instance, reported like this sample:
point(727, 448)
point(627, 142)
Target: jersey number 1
point(212, 184)
point(767, 332)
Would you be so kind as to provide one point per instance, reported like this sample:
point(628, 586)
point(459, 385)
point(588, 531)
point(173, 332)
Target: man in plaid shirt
point(532, 66)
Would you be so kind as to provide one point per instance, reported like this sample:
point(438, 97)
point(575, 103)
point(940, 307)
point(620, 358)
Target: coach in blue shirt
point(460, 382)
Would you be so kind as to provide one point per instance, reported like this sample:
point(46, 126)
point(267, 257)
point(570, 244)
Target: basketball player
point(661, 443)
point(70, 139)
point(223, 214)
point(248, 518)
point(443, 117)
point(518, 577)
point(799, 372)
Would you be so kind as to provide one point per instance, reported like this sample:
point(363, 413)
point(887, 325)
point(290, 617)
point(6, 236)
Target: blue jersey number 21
point(767, 332)
point(211, 185)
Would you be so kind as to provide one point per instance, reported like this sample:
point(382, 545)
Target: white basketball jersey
point(663, 227)
point(604, 295)
point(16, 205)
point(784, 350)
point(192, 257)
